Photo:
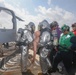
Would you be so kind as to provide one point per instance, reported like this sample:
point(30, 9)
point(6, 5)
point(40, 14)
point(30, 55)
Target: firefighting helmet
point(42, 25)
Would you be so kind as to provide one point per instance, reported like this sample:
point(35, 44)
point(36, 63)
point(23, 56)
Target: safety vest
point(65, 41)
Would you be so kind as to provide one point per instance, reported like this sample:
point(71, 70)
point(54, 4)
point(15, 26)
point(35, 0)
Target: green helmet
point(65, 28)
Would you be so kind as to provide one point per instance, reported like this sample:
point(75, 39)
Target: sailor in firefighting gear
point(43, 42)
point(25, 40)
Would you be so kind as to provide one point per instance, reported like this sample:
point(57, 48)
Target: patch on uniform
point(68, 36)
point(61, 34)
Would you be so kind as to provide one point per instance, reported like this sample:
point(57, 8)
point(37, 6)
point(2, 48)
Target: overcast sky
point(62, 11)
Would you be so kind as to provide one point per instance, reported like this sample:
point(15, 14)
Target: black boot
point(24, 73)
point(45, 74)
point(51, 70)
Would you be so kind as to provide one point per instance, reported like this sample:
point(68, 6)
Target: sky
point(62, 11)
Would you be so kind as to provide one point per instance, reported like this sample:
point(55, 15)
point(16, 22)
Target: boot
point(45, 74)
point(51, 70)
point(24, 73)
